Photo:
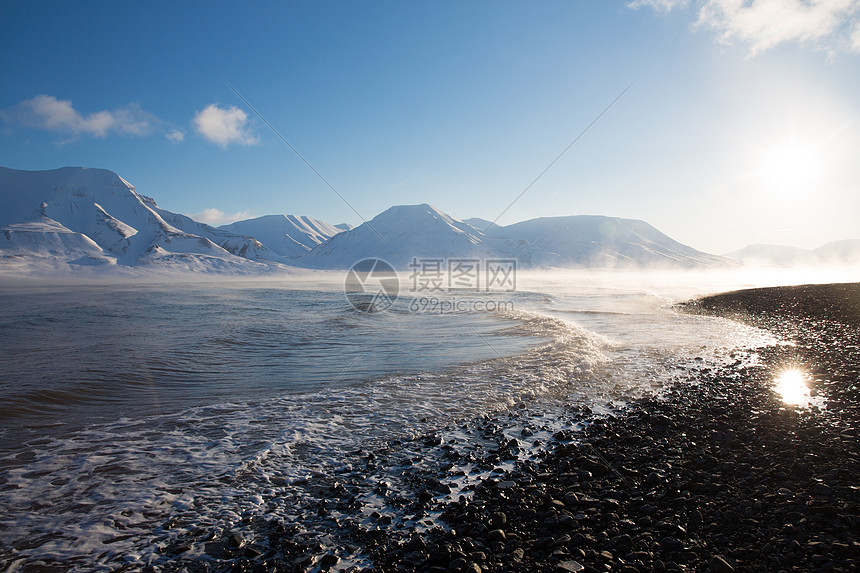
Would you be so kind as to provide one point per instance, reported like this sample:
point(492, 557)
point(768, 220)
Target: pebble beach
point(718, 473)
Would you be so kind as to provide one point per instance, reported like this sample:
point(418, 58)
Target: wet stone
point(569, 566)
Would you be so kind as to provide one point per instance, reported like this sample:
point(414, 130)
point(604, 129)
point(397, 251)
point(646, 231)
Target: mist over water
point(91, 354)
point(127, 405)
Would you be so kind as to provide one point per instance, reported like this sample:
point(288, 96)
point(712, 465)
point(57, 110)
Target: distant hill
point(844, 252)
point(597, 241)
point(839, 252)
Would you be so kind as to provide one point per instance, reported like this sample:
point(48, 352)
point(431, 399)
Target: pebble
point(820, 489)
point(570, 566)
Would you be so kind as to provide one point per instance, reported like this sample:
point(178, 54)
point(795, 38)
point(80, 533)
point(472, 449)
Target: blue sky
point(741, 126)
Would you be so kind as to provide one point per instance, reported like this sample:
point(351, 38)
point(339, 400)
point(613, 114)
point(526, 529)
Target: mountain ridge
point(72, 217)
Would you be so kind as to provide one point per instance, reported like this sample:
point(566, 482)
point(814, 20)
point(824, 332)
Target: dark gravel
point(717, 475)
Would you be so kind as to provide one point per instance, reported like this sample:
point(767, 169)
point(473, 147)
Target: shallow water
point(125, 407)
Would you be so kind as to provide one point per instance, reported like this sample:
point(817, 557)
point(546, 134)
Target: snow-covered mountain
point(80, 216)
point(397, 235)
point(287, 235)
point(844, 252)
point(596, 241)
point(69, 217)
point(422, 231)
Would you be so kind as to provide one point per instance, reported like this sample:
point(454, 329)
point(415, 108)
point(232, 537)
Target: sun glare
point(792, 388)
point(790, 167)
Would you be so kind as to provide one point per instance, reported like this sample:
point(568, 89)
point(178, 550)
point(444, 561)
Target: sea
point(134, 415)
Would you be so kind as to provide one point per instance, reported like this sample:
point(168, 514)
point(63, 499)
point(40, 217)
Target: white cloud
point(224, 126)
point(55, 115)
point(174, 135)
point(764, 24)
point(855, 37)
point(214, 216)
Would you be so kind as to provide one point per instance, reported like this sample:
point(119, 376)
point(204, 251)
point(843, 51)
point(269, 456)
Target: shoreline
point(714, 474)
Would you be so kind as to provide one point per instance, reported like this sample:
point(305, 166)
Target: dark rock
point(695, 518)
point(234, 541)
point(498, 519)
point(415, 558)
point(819, 489)
point(622, 542)
point(415, 544)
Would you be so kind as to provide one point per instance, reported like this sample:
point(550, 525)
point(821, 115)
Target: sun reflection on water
point(792, 387)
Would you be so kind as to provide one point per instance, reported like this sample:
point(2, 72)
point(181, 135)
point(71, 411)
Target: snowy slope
point(234, 243)
point(399, 234)
point(42, 240)
point(287, 235)
point(74, 216)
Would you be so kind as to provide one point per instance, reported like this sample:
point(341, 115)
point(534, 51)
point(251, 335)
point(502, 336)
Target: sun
point(790, 167)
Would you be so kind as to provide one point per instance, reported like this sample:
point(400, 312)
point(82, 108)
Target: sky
point(741, 126)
